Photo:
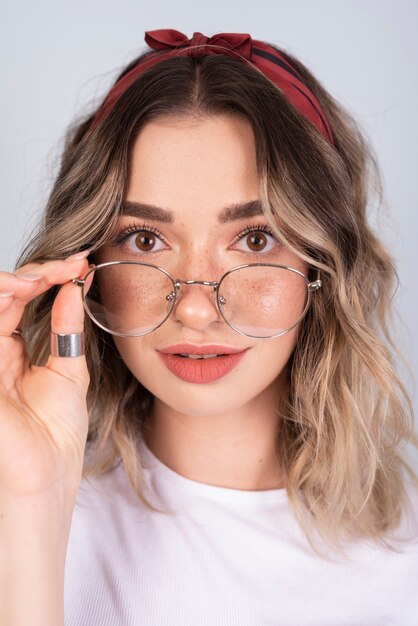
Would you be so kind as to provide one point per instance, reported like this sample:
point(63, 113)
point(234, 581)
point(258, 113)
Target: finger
point(25, 289)
point(12, 291)
point(50, 265)
point(67, 317)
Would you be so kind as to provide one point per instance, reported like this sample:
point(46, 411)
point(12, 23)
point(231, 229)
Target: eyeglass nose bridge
point(207, 283)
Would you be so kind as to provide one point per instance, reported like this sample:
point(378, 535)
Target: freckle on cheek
point(131, 305)
point(115, 295)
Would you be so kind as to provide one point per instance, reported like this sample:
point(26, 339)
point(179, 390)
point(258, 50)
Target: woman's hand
point(43, 411)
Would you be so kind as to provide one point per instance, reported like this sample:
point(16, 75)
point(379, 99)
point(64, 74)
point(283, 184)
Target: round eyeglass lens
point(129, 299)
point(263, 300)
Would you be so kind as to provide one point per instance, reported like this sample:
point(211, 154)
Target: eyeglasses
point(260, 300)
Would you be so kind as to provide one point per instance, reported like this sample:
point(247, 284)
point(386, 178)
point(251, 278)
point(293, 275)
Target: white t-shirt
point(225, 558)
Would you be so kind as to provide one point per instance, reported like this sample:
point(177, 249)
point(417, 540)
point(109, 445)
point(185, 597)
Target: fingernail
point(31, 277)
point(6, 294)
point(79, 255)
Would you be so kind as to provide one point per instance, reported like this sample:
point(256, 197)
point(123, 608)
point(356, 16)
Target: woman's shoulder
point(109, 497)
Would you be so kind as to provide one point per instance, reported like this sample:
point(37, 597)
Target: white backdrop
point(59, 56)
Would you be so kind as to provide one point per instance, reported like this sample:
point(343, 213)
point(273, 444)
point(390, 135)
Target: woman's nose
point(195, 306)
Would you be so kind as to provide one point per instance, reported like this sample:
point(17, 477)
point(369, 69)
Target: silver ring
point(67, 345)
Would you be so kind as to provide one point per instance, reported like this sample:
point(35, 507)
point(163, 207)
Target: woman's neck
point(235, 449)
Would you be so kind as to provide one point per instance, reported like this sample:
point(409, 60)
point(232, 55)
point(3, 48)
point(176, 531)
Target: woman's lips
point(201, 370)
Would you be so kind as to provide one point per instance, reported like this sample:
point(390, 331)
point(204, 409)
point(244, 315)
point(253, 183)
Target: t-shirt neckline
point(178, 483)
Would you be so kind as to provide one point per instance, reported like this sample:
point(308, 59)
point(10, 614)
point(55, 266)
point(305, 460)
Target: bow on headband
point(169, 43)
point(166, 38)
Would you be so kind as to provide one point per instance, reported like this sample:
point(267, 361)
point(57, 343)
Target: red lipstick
point(201, 370)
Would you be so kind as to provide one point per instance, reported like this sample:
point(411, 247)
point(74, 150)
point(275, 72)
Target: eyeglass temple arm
point(317, 283)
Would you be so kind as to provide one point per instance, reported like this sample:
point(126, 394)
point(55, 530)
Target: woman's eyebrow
point(240, 211)
point(229, 213)
point(147, 211)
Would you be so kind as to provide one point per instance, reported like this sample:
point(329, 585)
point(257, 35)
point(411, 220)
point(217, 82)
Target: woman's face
point(193, 169)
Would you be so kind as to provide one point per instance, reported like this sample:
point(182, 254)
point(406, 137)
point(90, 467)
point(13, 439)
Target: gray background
point(59, 57)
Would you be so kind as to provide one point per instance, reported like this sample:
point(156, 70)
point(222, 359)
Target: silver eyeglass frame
point(172, 297)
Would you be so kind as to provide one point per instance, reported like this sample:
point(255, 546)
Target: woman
point(229, 448)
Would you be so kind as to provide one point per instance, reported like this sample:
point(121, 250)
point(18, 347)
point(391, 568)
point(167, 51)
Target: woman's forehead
point(208, 163)
point(210, 146)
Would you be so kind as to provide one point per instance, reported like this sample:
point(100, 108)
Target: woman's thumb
point(67, 317)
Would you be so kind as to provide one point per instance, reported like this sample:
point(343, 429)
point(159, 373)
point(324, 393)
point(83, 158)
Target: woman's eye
point(144, 241)
point(256, 240)
point(141, 241)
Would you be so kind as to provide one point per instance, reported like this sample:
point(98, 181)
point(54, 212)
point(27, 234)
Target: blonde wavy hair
point(345, 417)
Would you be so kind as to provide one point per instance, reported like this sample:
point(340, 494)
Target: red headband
point(271, 64)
